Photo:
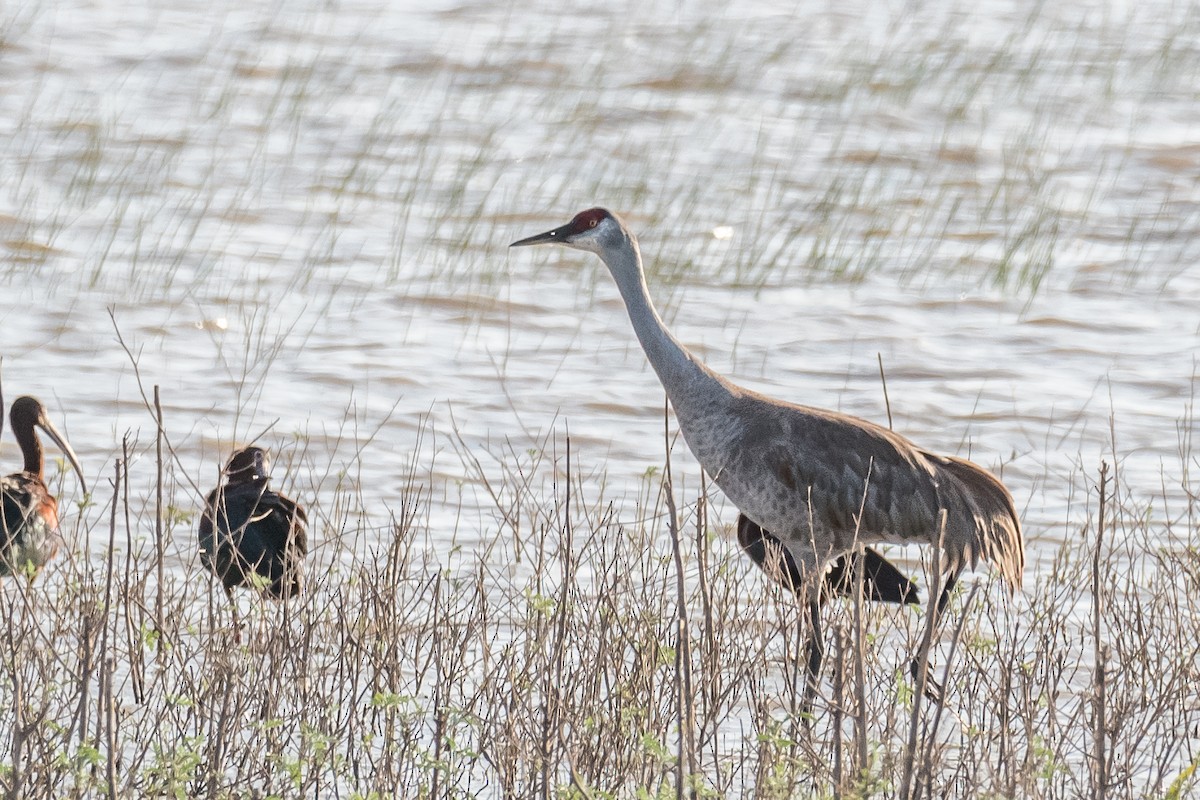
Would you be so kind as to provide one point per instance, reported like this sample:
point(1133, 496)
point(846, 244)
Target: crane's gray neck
point(679, 371)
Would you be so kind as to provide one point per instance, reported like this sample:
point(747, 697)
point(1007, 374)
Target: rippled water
point(297, 219)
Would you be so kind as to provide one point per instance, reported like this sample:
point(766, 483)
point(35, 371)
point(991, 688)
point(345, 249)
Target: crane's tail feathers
point(982, 520)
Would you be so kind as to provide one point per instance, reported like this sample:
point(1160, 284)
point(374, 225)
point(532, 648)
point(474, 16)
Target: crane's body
point(250, 534)
point(817, 483)
point(29, 535)
point(823, 482)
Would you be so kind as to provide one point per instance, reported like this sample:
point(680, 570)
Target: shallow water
point(297, 220)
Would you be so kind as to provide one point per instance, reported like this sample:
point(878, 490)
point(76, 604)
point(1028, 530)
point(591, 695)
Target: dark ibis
point(29, 535)
point(251, 535)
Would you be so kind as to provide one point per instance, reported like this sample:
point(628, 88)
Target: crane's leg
point(775, 559)
point(815, 657)
point(933, 689)
point(882, 582)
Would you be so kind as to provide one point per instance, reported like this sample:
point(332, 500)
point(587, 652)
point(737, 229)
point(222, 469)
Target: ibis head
point(28, 413)
point(249, 464)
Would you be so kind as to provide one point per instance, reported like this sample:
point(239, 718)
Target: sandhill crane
point(819, 483)
point(29, 534)
point(251, 535)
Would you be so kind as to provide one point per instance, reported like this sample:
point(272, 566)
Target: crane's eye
point(593, 222)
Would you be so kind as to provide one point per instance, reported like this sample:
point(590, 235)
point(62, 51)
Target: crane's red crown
point(585, 220)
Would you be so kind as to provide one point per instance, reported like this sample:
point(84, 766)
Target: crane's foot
point(814, 659)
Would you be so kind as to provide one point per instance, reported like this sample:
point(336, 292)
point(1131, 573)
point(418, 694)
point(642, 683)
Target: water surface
point(296, 218)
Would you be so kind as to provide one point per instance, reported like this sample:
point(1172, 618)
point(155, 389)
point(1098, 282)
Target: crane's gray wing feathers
point(844, 477)
point(848, 493)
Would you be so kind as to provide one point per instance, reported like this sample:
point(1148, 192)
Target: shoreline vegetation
point(550, 661)
point(291, 217)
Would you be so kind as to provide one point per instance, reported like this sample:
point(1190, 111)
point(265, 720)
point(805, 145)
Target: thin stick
point(709, 645)
point(105, 713)
point(702, 548)
point(922, 676)
point(839, 688)
point(110, 727)
point(1100, 779)
point(860, 649)
point(883, 379)
point(683, 649)
point(132, 631)
point(926, 778)
point(159, 547)
point(20, 732)
point(860, 670)
point(550, 722)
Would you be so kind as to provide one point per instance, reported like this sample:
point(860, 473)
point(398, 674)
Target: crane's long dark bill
point(59, 440)
point(549, 237)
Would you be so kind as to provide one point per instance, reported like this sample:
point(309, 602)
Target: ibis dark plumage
point(29, 535)
point(251, 535)
point(811, 484)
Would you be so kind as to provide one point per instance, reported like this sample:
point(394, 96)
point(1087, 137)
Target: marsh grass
point(515, 624)
point(574, 653)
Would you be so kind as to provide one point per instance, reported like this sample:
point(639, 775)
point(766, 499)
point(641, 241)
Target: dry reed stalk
point(922, 676)
point(1099, 653)
point(159, 543)
point(408, 669)
point(685, 709)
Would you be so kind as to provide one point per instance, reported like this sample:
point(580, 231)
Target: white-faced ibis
point(29, 534)
point(817, 482)
point(251, 535)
